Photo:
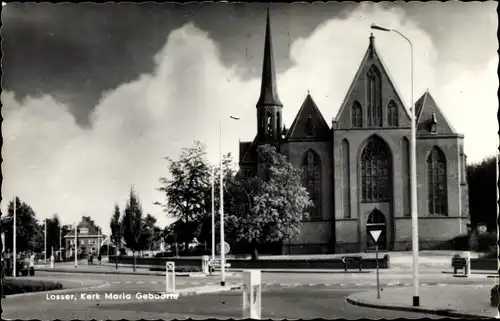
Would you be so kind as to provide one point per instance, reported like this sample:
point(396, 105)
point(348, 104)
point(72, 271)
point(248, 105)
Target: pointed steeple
point(269, 89)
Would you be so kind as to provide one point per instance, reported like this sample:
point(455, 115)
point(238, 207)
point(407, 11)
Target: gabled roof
point(309, 109)
point(92, 230)
point(425, 109)
point(248, 151)
point(372, 50)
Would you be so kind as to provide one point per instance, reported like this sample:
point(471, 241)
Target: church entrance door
point(376, 221)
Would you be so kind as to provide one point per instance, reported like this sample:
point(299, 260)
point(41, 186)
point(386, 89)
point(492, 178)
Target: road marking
point(140, 282)
point(424, 283)
point(128, 282)
point(441, 284)
point(116, 282)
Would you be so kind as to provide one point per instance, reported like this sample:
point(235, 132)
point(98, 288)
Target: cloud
point(56, 166)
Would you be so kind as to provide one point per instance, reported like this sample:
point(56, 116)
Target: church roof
point(309, 115)
point(427, 109)
point(370, 52)
point(269, 88)
point(248, 151)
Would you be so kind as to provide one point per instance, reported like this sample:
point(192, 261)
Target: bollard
point(252, 294)
point(170, 277)
point(204, 264)
point(52, 261)
point(467, 265)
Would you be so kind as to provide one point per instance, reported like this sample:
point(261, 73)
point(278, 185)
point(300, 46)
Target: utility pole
point(14, 245)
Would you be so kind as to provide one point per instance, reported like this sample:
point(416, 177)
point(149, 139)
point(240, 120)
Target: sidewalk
point(205, 289)
point(456, 301)
point(103, 269)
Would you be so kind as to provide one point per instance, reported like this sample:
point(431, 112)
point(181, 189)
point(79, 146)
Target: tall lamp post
point(222, 242)
point(213, 213)
point(14, 241)
point(45, 242)
point(413, 176)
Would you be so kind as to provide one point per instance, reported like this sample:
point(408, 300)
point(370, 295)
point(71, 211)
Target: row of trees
point(138, 232)
point(259, 209)
point(31, 232)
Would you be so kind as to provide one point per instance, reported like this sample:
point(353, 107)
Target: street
point(285, 295)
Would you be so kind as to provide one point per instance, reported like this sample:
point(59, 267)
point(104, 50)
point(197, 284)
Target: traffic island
point(456, 301)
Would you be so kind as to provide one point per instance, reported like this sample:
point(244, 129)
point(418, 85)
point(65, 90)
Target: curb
point(58, 291)
point(446, 313)
point(179, 274)
point(190, 292)
point(303, 271)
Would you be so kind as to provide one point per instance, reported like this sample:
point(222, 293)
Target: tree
point(26, 227)
point(132, 224)
point(270, 207)
point(149, 229)
point(481, 178)
point(116, 231)
point(53, 230)
point(186, 191)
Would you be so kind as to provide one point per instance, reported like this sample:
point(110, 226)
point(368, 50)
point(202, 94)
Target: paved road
point(284, 296)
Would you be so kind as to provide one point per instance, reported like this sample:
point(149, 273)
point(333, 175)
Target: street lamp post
point(222, 254)
point(213, 213)
point(45, 242)
point(76, 245)
point(413, 176)
point(14, 241)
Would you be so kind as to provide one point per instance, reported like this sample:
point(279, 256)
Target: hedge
point(16, 286)
point(178, 269)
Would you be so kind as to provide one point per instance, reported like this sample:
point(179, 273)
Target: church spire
point(269, 90)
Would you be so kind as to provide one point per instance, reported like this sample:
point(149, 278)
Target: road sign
point(227, 248)
point(375, 234)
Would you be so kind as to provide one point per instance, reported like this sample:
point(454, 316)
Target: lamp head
point(234, 117)
point(375, 27)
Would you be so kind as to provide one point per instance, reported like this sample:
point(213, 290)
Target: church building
point(357, 170)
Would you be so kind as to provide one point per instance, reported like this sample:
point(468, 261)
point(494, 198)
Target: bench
point(350, 260)
point(458, 263)
point(215, 265)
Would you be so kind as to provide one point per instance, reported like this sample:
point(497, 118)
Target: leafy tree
point(186, 190)
point(149, 229)
point(53, 229)
point(116, 231)
point(481, 178)
point(270, 207)
point(26, 227)
point(133, 225)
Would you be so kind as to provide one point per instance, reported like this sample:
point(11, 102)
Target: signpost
point(170, 277)
point(227, 248)
point(375, 234)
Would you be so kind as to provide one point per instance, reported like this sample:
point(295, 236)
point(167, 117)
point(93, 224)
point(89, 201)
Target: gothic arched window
point(375, 166)
point(357, 116)
point(269, 124)
point(311, 179)
point(278, 123)
point(437, 189)
point(392, 114)
point(374, 98)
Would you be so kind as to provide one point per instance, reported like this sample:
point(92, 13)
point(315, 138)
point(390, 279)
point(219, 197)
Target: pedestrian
point(99, 257)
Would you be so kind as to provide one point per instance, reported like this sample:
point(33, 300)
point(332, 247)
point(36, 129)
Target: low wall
point(484, 264)
point(368, 263)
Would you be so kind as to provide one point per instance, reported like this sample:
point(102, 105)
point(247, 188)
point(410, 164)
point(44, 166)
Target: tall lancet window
point(374, 98)
point(357, 116)
point(392, 114)
point(311, 179)
point(375, 167)
point(269, 124)
point(436, 179)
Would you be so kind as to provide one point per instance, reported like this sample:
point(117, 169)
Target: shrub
point(15, 286)
point(178, 269)
point(494, 296)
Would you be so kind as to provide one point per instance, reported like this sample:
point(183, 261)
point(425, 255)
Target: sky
point(96, 95)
